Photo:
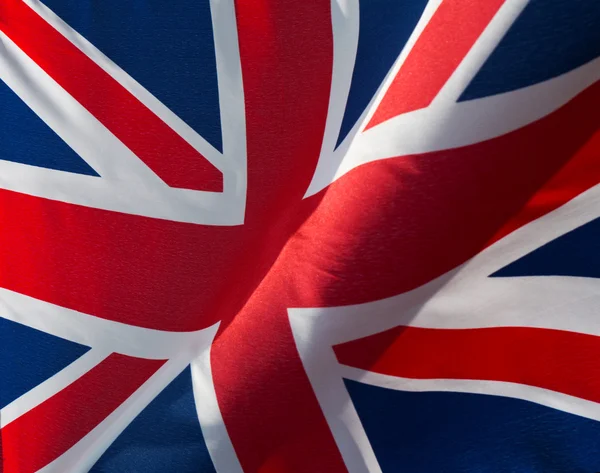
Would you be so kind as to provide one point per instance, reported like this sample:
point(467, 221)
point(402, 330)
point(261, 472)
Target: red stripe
point(445, 41)
point(267, 402)
point(580, 174)
point(44, 433)
point(152, 140)
point(565, 362)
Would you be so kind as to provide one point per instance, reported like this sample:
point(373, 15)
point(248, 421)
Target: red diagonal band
point(47, 431)
point(537, 357)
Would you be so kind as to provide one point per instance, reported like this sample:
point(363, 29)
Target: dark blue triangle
point(549, 38)
point(448, 432)
point(385, 26)
point(165, 437)
point(167, 46)
point(576, 253)
point(29, 357)
point(25, 138)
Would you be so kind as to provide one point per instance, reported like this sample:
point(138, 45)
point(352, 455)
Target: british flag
point(299, 236)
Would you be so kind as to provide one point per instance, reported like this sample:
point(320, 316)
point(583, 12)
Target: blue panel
point(576, 253)
point(445, 432)
point(165, 437)
point(29, 357)
point(550, 38)
point(385, 26)
point(25, 138)
point(166, 46)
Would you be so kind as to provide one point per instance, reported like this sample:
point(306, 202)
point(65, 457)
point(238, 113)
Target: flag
point(314, 236)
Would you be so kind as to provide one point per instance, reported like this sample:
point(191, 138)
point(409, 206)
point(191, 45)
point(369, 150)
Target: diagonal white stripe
point(137, 90)
point(51, 386)
point(82, 456)
point(446, 123)
point(91, 140)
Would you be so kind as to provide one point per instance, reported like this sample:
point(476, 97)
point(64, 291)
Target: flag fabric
point(314, 236)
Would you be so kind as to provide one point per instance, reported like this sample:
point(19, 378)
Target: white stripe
point(464, 297)
point(322, 369)
point(51, 386)
point(482, 49)
point(162, 202)
point(551, 302)
point(91, 140)
point(345, 23)
point(544, 397)
point(218, 442)
point(448, 124)
point(231, 98)
point(345, 17)
point(85, 453)
point(580, 210)
point(130, 84)
point(96, 332)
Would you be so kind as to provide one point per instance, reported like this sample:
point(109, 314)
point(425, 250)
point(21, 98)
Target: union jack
point(299, 236)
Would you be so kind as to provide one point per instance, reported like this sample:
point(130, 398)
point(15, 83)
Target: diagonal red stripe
point(435, 56)
point(153, 141)
point(44, 433)
point(565, 362)
point(578, 175)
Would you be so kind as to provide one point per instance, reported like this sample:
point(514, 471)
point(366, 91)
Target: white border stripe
point(345, 23)
point(345, 17)
point(51, 386)
point(95, 332)
point(323, 371)
point(231, 99)
point(126, 184)
point(345, 323)
point(85, 453)
point(81, 457)
point(215, 434)
point(445, 123)
point(544, 397)
point(130, 84)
